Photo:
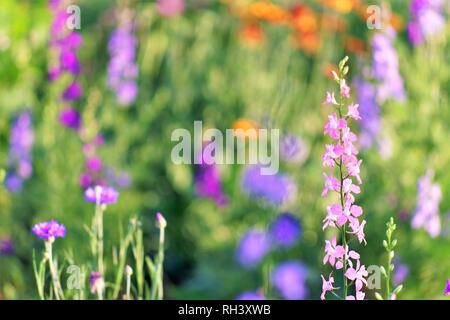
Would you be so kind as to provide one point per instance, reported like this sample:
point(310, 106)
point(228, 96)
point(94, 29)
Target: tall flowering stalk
point(343, 215)
point(49, 231)
point(101, 196)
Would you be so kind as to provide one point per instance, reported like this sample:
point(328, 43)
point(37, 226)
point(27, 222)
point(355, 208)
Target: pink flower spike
point(330, 99)
point(333, 126)
point(353, 112)
point(358, 230)
point(354, 171)
point(333, 212)
point(349, 187)
point(331, 183)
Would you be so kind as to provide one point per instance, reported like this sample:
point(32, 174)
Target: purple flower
point(251, 295)
point(447, 288)
point(96, 282)
point(427, 206)
point(252, 248)
point(293, 149)
point(290, 280)
point(101, 195)
point(122, 68)
point(49, 230)
point(369, 111)
point(19, 157)
point(207, 183)
point(70, 118)
point(94, 164)
point(6, 247)
point(385, 67)
point(285, 230)
point(427, 20)
point(170, 8)
point(73, 92)
point(401, 272)
point(275, 189)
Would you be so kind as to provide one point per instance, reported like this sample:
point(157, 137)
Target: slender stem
point(99, 222)
point(56, 285)
point(157, 288)
point(341, 195)
point(128, 296)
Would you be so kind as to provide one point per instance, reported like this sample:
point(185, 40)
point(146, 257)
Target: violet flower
point(426, 214)
point(70, 118)
point(290, 280)
point(274, 189)
point(101, 195)
point(252, 248)
point(122, 68)
point(7, 247)
point(293, 149)
point(286, 230)
point(251, 295)
point(427, 20)
point(49, 230)
point(19, 158)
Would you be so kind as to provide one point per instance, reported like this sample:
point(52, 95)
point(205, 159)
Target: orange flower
point(354, 45)
point(252, 34)
point(333, 23)
point(308, 41)
point(396, 22)
point(341, 6)
point(267, 11)
point(303, 18)
point(245, 126)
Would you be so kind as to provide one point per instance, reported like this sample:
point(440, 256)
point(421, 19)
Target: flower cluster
point(7, 247)
point(370, 113)
point(426, 214)
point(122, 68)
point(288, 277)
point(64, 44)
point(274, 189)
point(345, 214)
point(49, 230)
point(207, 182)
point(427, 20)
point(101, 195)
point(385, 67)
point(19, 159)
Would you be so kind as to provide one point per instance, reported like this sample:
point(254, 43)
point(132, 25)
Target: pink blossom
point(359, 296)
point(348, 212)
point(358, 229)
point(334, 125)
point(345, 89)
point(333, 252)
point(332, 152)
point(353, 112)
point(327, 285)
point(348, 186)
point(330, 99)
point(358, 275)
point(331, 183)
point(331, 219)
point(170, 8)
point(354, 170)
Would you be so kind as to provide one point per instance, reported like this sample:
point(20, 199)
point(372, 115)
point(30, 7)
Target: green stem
point(53, 271)
point(157, 288)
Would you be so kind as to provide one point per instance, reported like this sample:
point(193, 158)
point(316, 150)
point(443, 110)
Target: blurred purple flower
point(207, 183)
point(73, 92)
point(369, 111)
point(285, 230)
point(96, 282)
point(275, 189)
point(293, 149)
point(290, 280)
point(7, 247)
point(101, 195)
point(49, 230)
point(401, 272)
point(94, 164)
point(252, 248)
point(427, 20)
point(122, 68)
point(70, 118)
point(19, 157)
point(385, 67)
point(447, 288)
point(426, 214)
point(251, 295)
point(170, 8)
